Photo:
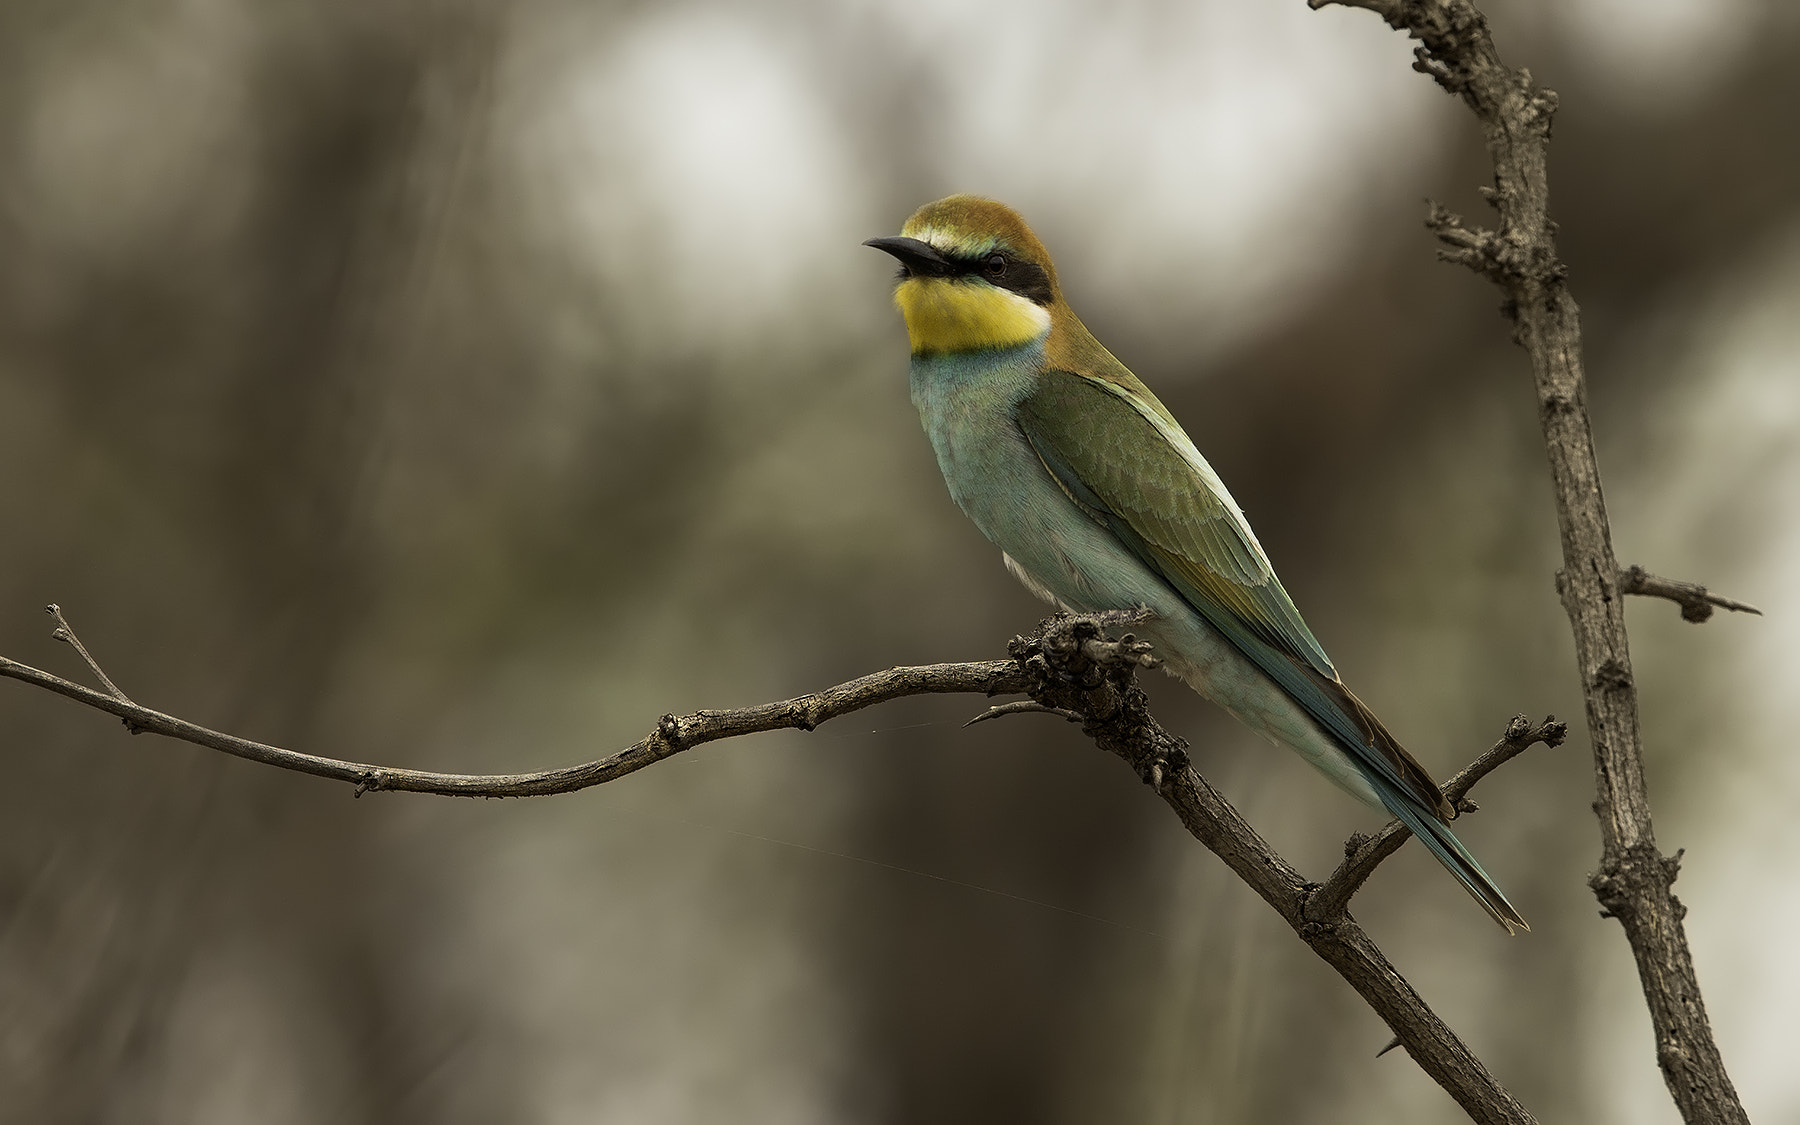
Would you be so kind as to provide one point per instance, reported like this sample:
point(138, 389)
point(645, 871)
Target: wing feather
point(1121, 457)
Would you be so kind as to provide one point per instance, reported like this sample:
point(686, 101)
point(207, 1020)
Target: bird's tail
point(1443, 844)
point(1410, 794)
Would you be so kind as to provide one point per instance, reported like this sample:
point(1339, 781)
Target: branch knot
point(1074, 668)
point(1612, 675)
point(1629, 879)
point(668, 732)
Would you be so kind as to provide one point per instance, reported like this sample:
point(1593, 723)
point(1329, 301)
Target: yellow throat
point(965, 315)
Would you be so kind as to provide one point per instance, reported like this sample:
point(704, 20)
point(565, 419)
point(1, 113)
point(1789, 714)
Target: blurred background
point(463, 386)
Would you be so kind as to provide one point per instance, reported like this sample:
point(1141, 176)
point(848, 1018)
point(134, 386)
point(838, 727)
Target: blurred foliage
point(467, 385)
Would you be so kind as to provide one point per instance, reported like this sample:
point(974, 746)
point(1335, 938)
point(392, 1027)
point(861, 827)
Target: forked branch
point(1363, 854)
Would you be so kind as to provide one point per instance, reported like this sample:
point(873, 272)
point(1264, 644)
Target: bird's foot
point(1076, 649)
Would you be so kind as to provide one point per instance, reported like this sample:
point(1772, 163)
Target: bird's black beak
point(917, 258)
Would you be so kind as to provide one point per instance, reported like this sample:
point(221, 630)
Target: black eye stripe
point(1027, 279)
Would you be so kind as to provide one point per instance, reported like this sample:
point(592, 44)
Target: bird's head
point(972, 277)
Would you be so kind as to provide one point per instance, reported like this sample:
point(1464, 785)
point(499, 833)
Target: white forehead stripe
point(949, 242)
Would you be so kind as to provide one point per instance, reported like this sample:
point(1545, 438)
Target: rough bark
point(1519, 255)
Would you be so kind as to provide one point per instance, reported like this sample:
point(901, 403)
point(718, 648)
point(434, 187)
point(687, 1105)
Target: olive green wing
point(1134, 465)
point(1116, 452)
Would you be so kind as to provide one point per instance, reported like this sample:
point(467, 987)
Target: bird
point(1099, 501)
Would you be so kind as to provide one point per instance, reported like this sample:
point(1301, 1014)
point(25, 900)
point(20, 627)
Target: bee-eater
point(1099, 501)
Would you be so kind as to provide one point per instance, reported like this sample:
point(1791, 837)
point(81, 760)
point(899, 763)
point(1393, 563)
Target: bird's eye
point(995, 266)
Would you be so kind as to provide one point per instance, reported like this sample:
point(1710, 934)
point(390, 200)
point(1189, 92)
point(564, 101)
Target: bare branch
point(1695, 600)
point(672, 735)
point(1363, 854)
point(1520, 256)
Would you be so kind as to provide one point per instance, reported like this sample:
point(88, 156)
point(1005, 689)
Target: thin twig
point(1695, 600)
point(1363, 854)
point(673, 733)
point(1521, 735)
point(65, 633)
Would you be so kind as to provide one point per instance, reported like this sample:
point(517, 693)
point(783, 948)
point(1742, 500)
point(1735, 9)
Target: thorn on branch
point(1023, 707)
point(1389, 1047)
point(1695, 600)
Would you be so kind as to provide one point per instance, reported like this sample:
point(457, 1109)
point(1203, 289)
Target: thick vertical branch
point(1634, 878)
